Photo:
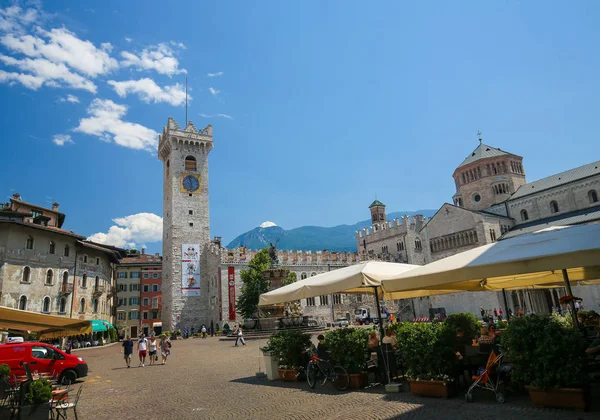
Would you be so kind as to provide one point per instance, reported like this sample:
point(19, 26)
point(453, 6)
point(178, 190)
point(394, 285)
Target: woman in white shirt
point(152, 347)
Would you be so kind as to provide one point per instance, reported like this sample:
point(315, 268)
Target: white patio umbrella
point(541, 258)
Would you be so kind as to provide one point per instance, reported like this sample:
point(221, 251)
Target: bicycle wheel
point(311, 374)
point(340, 378)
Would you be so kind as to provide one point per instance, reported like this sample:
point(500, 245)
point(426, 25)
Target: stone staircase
point(266, 333)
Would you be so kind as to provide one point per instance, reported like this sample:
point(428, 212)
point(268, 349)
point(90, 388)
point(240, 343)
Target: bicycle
point(328, 371)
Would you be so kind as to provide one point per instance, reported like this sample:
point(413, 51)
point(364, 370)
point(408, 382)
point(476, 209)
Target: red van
point(44, 358)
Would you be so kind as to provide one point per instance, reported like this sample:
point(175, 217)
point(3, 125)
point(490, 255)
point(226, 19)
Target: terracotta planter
point(287, 322)
point(288, 375)
point(573, 398)
point(358, 380)
point(435, 389)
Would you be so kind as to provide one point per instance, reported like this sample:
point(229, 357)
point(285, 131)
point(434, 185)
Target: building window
point(146, 288)
point(95, 305)
point(476, 198)
point(337, 299)
point(313, 274)
point(133, 315)
point(122, 275)
point(144, 315)
point(23, 303)
point(135, 275)
point(84, 281)
point(85, 259)
point(146, 275)
point(26, 275)
point(121, 316)
point(593, 196)
point(418, 245)
point(65, 278)
point(97, 261)
point(554, 207)
point(493, 235)
point(191, 212)
point(67, 250)
point(82, 305)
point(134, 301)
point(191, 224)
point(155, 287)
point(324, 300)
point(46, 305)
point(524, 215)
point(51, 248)
point(134, 287)
point(29, 243)
point(49, 276)
point(400, 246)
point(155, 275)
point(303, 276)
point(63, 305)
point(310, 301)
point(190, 163)
point(359, 298)
point(155, 302)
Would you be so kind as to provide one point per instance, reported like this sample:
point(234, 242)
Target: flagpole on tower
point(186, 120)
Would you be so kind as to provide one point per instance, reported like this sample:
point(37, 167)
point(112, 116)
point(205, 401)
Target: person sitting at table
point(390, 338)
point(373, 341)
point(490, 337)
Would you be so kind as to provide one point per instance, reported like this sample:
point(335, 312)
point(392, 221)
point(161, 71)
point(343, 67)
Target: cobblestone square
point(211, 379)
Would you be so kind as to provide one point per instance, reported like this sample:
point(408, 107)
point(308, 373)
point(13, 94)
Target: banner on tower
point(231, 287)
point(190, 269)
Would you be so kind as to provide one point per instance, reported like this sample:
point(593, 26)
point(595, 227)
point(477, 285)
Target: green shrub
point(166, 333)
point(348, 347)
point(427, 350)
point(466, 322)
point(288, 347)
point(40, 392)
point(544, 352)
point(113, 335)
point(4, 370)
point(177, 333)
point(564, 320)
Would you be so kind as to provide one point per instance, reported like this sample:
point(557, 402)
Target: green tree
point(291, 278)
point(254, 283)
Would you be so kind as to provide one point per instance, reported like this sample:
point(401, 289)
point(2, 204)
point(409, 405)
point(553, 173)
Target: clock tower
point(186, 223)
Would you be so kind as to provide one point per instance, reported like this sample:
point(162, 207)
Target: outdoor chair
point(64, 406)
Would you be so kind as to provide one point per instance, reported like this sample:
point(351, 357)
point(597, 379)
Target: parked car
point(44, 358)
point(340, 322)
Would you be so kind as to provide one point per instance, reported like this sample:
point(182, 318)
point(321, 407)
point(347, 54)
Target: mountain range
point(311, 238)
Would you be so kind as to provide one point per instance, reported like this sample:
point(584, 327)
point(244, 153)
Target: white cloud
point(62, 46)
point(267, 224)
point(27, 80)
point(213, 91)
point(61, 139)
point(105, 123)
point(229, 117)
point(178, 45)
point(149, 91)
point(128, 39)
point(50, 73)
point(160, 58)
point(12, 19)
point(70, 98)
point(217, 74)
point(131, 230)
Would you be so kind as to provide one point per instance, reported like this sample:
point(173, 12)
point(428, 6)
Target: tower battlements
point(285, 258)
point(190, 135)
point(392, 228)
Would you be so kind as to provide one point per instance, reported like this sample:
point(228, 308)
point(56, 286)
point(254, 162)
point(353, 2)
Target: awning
point(98, 326)
point(48, 326)
point(535, 259)
point(108, 324)
point(359, 278)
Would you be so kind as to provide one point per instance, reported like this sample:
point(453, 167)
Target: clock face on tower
point(190, 183)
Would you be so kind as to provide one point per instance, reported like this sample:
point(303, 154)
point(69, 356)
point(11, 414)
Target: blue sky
point(317, 107)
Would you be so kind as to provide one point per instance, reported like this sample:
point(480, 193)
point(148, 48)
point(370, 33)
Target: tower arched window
point(554, 207)
point(524, 215)
point(49, 276)
point(303, 276)
point(418, 245)
point(51, 248)
point(26, 275)
point(190, 163)
point(67, 251)
point(593, 196)
point(65, 278)
point(29, 243)
point(95, 304)
point(84, 281)
point(82, 305)
point(46, 305)
point(168, 166)
point(23, 303)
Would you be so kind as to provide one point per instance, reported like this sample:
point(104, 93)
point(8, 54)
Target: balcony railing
point(66, 288)
point(98, 290)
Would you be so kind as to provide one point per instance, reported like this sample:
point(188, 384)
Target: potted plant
point(349, 347)
point(249, 323)
point(36, 405)
point(289, 348)
point(176, 334)
point(547, 356)
point(429, 357)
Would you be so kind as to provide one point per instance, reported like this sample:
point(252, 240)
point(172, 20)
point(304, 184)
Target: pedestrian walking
point(203, 331)
point(165, 348)
point(152, 344)
point(142, 349)
point(500, 314)
point(482, 311)
point(240, 337)
point(495, 313)
point(127, 350)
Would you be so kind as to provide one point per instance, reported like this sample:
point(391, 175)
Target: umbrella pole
point(505, 303)
point(379, 314)
point(572, 303)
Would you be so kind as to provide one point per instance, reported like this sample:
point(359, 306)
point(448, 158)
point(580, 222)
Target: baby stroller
point(490, 378)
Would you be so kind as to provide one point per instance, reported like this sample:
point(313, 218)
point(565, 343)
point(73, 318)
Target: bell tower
point(186, 223)
point(377, 212)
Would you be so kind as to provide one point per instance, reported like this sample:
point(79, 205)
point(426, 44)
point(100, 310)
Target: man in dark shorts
point(127, 350)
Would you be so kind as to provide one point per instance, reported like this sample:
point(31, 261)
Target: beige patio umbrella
point(540, 258)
